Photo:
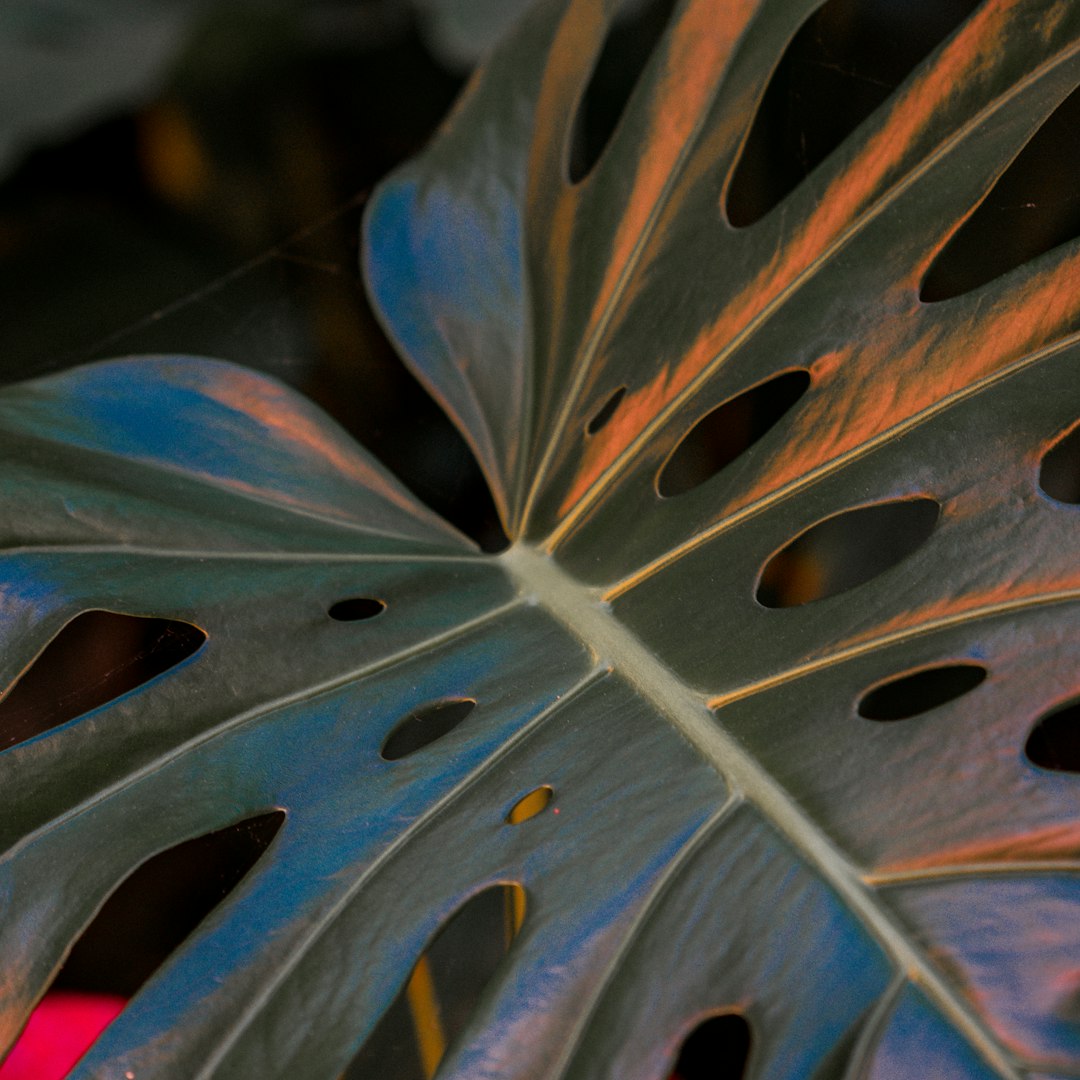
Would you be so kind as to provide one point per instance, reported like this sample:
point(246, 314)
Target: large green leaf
point(877, 899)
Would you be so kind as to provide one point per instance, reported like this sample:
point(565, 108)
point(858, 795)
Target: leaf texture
point(878, 899)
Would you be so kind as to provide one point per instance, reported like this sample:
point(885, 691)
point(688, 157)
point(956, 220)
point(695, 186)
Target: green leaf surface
point(727, 834)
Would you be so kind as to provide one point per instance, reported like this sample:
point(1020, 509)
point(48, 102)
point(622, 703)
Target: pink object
point(59, 1032)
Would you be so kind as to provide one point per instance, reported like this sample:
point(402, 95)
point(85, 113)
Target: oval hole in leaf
point(1054, 742)
point(717, 1049)
point(160, 903)
point(605, 412)
point(720, 436)
point(1024, 215)
point(528, 806)
point(424, 725)
point(627, 48)
point(921, 691)
point(356, 609)
point(443, 990)
point(846, 550)
point(1059, 473)
point(94, 659)
point(844, 62)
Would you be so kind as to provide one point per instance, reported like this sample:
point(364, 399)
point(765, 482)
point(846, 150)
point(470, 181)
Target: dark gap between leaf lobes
point(443, 990)
point(97, 657)
point(626, 51)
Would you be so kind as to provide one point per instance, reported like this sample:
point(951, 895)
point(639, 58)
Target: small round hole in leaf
point(424, 725)
point(1059, 474)
point(911, 695)
point(1054, 742)
point(721, 435)
point(846, 550)
point(605, 412)
point(717, 1049)
point(528, 806)
point(356, 609)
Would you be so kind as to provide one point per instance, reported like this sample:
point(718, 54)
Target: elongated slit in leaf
point(842, 64)
point(1054, 742)
point(424, 726)
point(919, 692)
point(94, 659)
point(729, 430)
point(716, 1049)
point(627, 48)
point(443, 989)
point(605, 412)
point(1023, 216)
point(1059, 472)
point(156, 907)
point(846, 550)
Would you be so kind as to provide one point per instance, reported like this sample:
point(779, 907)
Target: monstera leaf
point(778, 742)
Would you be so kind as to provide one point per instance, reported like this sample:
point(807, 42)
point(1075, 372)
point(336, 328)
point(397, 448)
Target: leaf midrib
point(586, 616)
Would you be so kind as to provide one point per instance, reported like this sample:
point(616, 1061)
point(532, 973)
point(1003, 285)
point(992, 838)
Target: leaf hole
point(627, 47)
point(728, 431)
point(846, 550)
point(912, 695)
point(95, 658)
point(605, 412)
point(528, 806)
point(1059, 473)
point(842, 64)
point(159, 905)
point(424, 726)
point(143, 921)
point(1033, 208)
point(445, 986)
point(717, 1049)
point(1054, 742)
point(356, 609)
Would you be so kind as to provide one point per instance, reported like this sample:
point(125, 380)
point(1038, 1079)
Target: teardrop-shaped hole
point(443, 990)
point(94, 659)
point(921, 691)
point(424, 725)
point(356, 609)
point(629, 43)
point(1032, 209)
point(605, 412)
point(846, 550)
point(528, 806)
point(1059, 473)
point(717, 1049)
point(843, 63)
point(1054, 742)
point(730, 429)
